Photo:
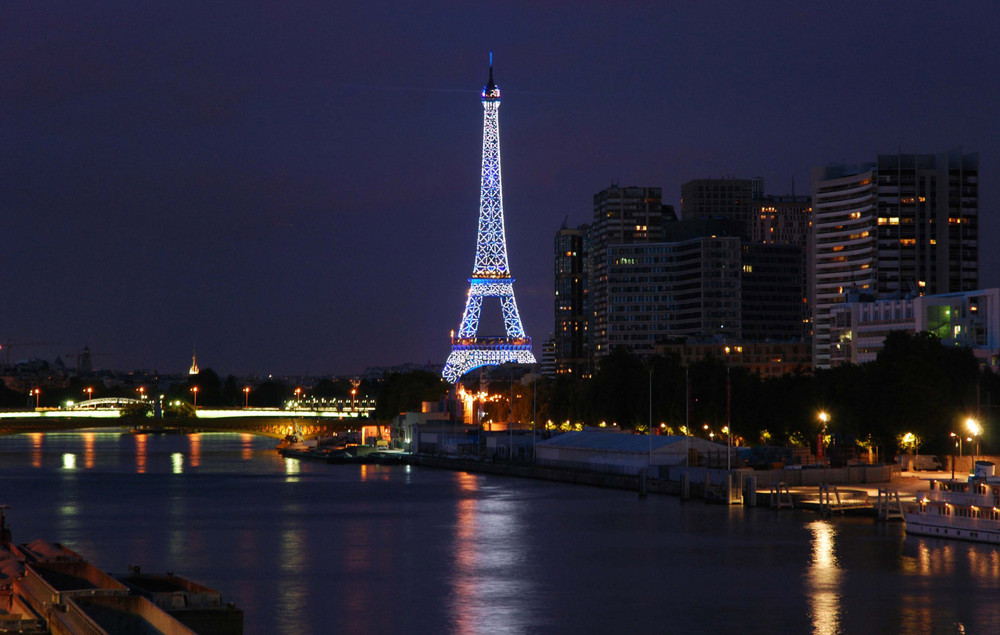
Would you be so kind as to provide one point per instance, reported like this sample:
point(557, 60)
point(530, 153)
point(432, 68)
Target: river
point(306, 547)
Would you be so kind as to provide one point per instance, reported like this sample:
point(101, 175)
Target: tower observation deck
point(491, 277)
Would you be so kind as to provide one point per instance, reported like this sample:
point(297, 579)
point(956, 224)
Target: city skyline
point(295, 191)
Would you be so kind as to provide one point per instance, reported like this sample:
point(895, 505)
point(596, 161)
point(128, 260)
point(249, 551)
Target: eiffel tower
point(491, 273)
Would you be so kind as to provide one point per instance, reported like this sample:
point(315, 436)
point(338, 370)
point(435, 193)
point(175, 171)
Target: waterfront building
point(547, 367)
point(622, 216)
point(859, 326)
point(767, 359)
point(572, 295)
point(762, 219)
point(772, 303)
point(491, 274)
point(731, 199)
point(783, 219)
point(714, 287)
point(658, 291)
point(905, 224)
point(626, 453)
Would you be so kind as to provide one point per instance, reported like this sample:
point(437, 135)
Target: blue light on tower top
point(491, 91)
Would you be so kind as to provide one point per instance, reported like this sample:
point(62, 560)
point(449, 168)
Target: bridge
point(120, 412)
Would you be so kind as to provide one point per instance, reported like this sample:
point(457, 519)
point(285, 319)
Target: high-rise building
point(571, 336)
point(732, 199)
point(622, 216)
point(659, 291)
point(771, 292)
point(904, 225)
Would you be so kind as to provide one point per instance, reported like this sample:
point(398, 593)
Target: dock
point(49, 588)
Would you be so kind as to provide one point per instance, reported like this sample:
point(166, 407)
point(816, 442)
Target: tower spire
point(491, 276)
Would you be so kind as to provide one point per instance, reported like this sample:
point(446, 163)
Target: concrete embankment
point(579, 477)
point(699, 488)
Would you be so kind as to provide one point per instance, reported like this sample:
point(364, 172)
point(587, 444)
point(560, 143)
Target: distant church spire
point(194, 363)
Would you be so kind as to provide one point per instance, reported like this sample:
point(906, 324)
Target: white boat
point(965, 510)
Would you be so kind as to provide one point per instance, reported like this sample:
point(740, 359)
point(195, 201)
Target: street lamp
point(194, 389)
point(824, 418)
point(975, 430)
point(246, 394)
point(90, 393)
point(142, 392)
point(37, 393)
point(354, 392)
point(958, 444)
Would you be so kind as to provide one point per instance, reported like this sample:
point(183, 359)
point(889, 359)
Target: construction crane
point(9, 345)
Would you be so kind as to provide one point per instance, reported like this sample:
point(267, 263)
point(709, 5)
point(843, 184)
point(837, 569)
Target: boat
point(963, 510)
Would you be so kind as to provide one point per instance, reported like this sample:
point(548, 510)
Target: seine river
point(311, 548)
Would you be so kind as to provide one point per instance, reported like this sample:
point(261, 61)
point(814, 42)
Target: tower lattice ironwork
point(491, 273)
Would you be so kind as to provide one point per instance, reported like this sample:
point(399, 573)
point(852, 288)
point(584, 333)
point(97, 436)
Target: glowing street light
point(90, 393)
point(142, 392)
point(824, 418)
point(38, 395)
point(194, 390)
point(354, 392)
point(246, 395)
point(975, 429)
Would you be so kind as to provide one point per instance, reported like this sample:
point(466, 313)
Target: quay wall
point(668, 480)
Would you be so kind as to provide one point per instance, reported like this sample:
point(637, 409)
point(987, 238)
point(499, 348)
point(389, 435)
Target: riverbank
point(906, 484)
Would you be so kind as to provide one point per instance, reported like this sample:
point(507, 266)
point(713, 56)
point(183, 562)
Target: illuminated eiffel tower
point(491, 274)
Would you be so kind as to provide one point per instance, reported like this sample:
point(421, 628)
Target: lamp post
point(90, 393)
point(194, 390)
point(534, 413)
point(975, 430)
point(38, 395)
point(824, 418)
point(958, 441)
point(246, 397)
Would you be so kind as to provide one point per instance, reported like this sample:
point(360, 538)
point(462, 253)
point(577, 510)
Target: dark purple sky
point(293, 187)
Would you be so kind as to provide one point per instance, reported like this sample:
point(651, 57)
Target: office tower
point(622, 216)
point(731, 199)
point(904, 225)
point(571, 336)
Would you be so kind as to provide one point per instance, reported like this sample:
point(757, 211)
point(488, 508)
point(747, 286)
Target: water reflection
point(195, 440)
point(465, 590)
point(177, 463)
point(292, 469)
point(88, 450)
point(36, 448)
point(823, 579)
point(292, 586)
point(488, 588)
point(246, 447)
point(140, 453)
point(69, 461)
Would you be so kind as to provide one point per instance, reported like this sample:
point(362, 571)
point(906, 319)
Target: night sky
point(293, 187)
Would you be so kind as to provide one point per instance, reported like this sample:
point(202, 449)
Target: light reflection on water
point(293, 593)
point(309, 547)
point(140, 453)
point(36, 448)
point(824, 578)
point(489, 590)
